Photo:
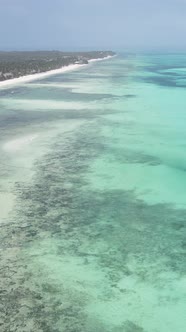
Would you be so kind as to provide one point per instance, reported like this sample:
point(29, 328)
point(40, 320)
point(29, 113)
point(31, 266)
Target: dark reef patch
point(59, 204)
point(162, 77)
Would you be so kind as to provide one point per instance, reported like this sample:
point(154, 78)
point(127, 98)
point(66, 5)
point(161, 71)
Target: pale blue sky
point(73, 24)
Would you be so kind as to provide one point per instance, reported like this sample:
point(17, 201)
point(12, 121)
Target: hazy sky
point(72, 24)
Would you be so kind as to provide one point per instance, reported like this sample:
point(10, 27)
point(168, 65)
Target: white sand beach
point(29, 78)
point(101, 59)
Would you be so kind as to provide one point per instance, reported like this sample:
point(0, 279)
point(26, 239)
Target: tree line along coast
point(17, 64)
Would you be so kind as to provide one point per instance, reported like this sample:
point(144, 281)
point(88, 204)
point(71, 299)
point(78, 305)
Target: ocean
point(93, 199)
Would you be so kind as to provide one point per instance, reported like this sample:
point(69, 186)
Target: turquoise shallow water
point(93, 199)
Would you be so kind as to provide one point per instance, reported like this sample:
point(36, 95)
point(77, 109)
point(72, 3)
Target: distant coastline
point(33, 77)
point(73, 63)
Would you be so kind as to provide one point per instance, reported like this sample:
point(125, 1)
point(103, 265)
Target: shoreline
point(33, 77)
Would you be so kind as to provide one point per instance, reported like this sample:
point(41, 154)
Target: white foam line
point(18, 143)
point(33, 77)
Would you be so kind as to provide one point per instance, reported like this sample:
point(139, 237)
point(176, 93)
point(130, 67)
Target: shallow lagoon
point(93, 199)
